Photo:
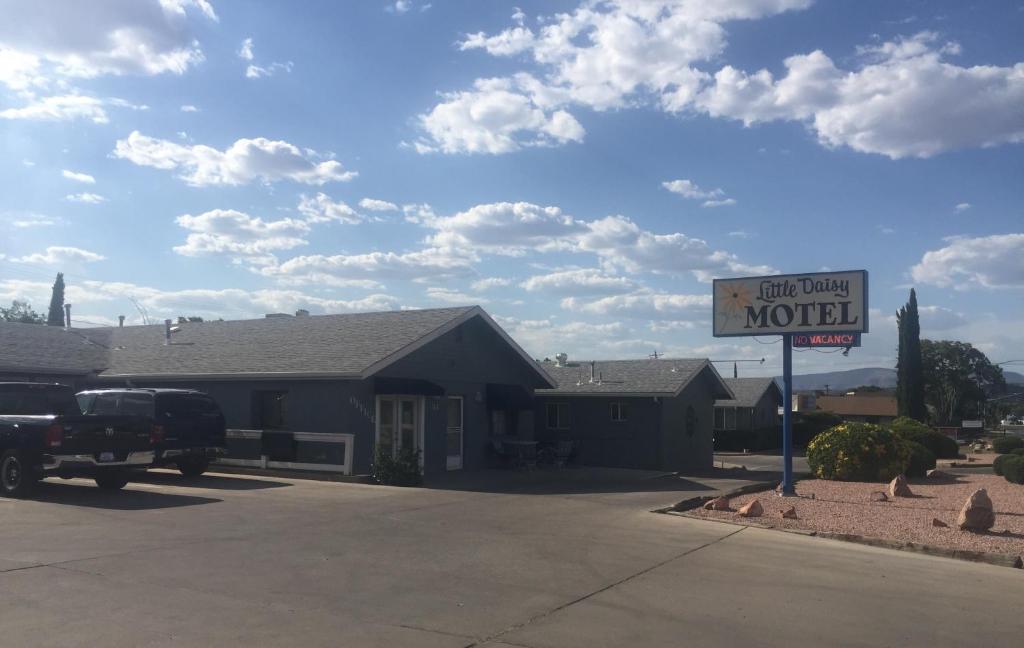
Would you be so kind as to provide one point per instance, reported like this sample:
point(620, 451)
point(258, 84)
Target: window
point(730, 418)
point(558, 416)
point(719, 418)
point(618, 411)
point(269, 409)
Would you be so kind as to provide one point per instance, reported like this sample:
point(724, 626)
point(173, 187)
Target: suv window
point(186, 405)
point(105, 404)
point(126, 403)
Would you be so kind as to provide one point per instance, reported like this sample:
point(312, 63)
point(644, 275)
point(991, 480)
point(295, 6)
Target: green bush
point(403, 470)
point(921, 460)
point(1017, 451)
point(1013, 469)
point(858, 452)
point(810, 424)
point(999, 462)
point(1005, 444)
point(942, 446)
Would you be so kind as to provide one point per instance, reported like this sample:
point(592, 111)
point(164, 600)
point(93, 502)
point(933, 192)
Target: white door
point(453, 435)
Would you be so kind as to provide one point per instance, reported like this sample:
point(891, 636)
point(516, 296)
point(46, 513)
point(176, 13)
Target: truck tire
point(193, 466)
point(111, 479)
point(16, 477)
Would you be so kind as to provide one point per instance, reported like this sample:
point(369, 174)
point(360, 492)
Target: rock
point(977, 513)
point(936, 522)
point(879, 496)
point(717, 504)
point(752, 509)
point(812, 496)
point(788, 514)
point(938, 474)
point(898, 487)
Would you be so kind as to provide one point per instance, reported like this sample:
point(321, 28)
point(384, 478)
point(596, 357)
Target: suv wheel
point(111, 479)
point(16, 477)
point(193, 466)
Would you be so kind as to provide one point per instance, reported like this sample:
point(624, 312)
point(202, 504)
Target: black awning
point(510, 397)
point(416, 386)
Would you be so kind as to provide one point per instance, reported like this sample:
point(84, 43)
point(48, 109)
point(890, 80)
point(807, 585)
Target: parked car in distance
point(191, 424)
point(43, 432)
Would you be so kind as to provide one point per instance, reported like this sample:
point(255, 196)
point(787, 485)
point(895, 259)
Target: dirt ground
point(847, 507)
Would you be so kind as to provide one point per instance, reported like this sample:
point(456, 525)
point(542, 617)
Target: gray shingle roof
point(747, 391)
point(335, 345)
point(662, 376)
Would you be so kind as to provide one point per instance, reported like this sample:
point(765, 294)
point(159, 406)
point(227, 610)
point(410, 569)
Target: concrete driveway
point(534, 561)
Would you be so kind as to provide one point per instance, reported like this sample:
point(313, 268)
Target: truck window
point(187, 405)
point(38, 401)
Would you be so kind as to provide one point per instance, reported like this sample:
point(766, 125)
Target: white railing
point(300, 437)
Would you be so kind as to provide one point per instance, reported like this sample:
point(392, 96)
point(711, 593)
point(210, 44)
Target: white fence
point(258, 458)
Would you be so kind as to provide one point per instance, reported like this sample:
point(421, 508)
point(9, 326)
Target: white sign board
point(969, 425)
point(816, 302)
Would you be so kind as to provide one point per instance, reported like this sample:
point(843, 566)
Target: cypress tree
point(909, 368)
point(56, 315)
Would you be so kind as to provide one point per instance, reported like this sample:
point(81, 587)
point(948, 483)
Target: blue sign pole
point(787, 415)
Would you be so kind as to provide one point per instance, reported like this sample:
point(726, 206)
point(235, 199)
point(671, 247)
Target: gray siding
point(633, 443)
point(691, 451)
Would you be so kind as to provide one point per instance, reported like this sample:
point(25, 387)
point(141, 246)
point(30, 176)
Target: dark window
point(37, 401)
point(618, 411)
point(270, 410)
point(105, 404)
point(136, 404)
point(85, 402)
point(558, 416)
point(719, 418)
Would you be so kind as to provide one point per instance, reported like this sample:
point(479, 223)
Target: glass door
point(386, 426)
point(398, 424)
point(453, 433)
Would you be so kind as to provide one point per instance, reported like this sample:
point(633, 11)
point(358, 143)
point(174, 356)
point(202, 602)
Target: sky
point(580, 169)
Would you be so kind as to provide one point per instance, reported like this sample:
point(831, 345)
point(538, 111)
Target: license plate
point(106, 456)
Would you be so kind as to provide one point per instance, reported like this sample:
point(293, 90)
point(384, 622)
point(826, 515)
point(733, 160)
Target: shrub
point(403, 470)
point(1017, 451)
point(811, 424)
point(858, 452)
point(1013, 469)
point(922, 459)
point(1005, 444)
point(941, 445)
point(999, 462)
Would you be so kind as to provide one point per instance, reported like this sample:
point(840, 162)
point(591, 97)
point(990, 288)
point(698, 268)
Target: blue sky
point(580, 169)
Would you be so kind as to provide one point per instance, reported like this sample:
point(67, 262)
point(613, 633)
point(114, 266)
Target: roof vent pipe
point(167, 332)
point(120, 321)
point(592, 363)
point(67, 315)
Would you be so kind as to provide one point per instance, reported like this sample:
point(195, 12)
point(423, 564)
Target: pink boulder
point(788, 514)
point(898, 487)
point(879, 496)
point(718, 504)
point(752, 509)
point(936, 522)
point(977, 513)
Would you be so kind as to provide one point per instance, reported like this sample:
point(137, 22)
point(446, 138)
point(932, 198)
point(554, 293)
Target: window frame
point(623, 412)
point(561, 423)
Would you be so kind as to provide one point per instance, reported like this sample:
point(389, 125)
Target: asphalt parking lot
point(513, 559)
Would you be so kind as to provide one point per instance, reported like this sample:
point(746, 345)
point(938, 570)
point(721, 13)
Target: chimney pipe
point(167, 332)
point(592, 363)
point(120, 321)
point(67, 315)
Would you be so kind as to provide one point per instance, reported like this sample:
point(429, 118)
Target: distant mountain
point(873, 376)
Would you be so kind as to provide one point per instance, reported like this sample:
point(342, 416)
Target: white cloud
point(343, 269)
point(245, 51)
point(725, 202)
point(372, 204)
point(321, 209)
point(504, 228)
point(79, 39)
point(27, 220)
point(962, 207)
point(78, 177)
point(260, 71)
point(495, 117)
point(643, 305)
point(85, 197)
point(490, 283)
point(189, 108)
point(57, 254)
point(239, 235)
point(995, 261)
point(244, 161)
point(579, 282)
point(940, 318)
point(450, 296)
point(60, 108)
point(689, 189)
point(742, 234)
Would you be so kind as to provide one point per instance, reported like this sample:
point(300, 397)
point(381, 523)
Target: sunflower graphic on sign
point(732, 299)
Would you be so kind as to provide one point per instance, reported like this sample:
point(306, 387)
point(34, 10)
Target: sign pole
point(787, 415)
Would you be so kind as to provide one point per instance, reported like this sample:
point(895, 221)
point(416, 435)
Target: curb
point(290, 474)
point(696, 502)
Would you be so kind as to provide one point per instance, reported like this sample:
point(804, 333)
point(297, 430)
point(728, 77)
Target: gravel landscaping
point(847, 507)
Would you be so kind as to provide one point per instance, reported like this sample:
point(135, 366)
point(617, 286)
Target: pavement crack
point(646, 570)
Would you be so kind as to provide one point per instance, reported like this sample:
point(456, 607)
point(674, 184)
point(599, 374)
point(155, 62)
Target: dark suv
point(191, 423)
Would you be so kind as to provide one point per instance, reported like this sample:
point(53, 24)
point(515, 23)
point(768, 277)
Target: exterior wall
point(689, 450)
point(633, 443)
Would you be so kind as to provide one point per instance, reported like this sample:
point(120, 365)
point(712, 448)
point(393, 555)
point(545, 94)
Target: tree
point(56, 315)
point(910, 390)
point(183, 319)
point(958, 380)
point(20, 312)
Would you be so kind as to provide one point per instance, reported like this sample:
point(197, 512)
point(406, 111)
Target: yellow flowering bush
point(858, 452)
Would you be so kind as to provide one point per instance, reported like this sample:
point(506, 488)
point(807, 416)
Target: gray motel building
point(323, 392)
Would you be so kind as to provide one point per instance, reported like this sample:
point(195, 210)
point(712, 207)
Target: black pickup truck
point(43, 432)
point(190, 423)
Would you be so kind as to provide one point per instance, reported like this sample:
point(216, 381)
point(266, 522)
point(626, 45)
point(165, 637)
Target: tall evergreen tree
point(909, 371)
point(56, 315)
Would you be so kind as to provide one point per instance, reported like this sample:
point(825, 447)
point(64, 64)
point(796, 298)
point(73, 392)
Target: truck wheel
point(111, 479)
point(193, 466)
point(16, 476)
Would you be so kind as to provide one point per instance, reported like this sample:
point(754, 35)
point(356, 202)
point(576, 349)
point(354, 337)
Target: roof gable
point(748, 391)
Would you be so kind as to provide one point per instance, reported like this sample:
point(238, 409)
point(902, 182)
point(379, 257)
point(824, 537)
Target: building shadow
point(210, 481)
point(77, 494)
